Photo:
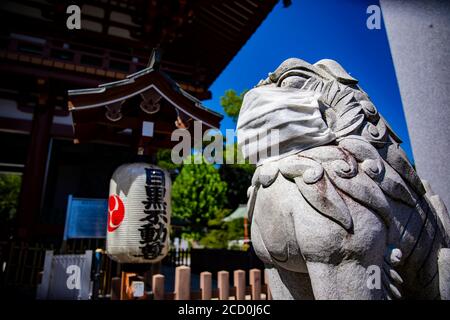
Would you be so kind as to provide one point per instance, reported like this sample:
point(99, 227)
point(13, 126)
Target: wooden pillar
point(30, 198)
point(223, 282)
point(246, 231)
point(255, 283)
point(206, 285)
point(125, 277)
point(182, 283)
point(239, 283)
point(158, 287)
point(115, 288)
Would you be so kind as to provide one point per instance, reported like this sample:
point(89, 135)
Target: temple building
point(76, 104)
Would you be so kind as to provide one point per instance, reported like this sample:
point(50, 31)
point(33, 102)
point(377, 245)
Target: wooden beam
point(30, 198)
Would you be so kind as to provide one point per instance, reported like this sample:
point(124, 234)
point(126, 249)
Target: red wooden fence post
point(205, 285)
point(239, 283)
point(115, 288)
point(158, 287)
point(182, 283)
point(223, 282)
point(255, 283)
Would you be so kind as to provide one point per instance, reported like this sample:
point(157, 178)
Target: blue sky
point(313, 30)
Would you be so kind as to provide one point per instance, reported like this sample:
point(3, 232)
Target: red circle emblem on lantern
point(116, 212)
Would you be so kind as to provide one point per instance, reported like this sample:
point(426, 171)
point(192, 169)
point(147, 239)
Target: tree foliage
point(238, 180)
point(203, 195)
point(9, 194)
point(219, 238)
point(231, 103)
point(198, 196)
point(237, 175)
point(164, 160)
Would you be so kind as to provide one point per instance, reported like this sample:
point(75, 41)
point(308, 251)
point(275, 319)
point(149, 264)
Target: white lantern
point(138, 214)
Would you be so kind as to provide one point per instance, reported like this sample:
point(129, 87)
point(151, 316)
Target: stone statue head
point(311, 105)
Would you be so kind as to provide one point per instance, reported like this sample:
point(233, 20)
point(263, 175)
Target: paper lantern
point(138, 214)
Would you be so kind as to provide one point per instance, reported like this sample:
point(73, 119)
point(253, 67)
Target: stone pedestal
point(444, 273)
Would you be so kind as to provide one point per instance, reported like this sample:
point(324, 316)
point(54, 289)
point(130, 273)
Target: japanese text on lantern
point(153, 231)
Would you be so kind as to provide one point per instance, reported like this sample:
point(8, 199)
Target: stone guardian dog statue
point(338, 212)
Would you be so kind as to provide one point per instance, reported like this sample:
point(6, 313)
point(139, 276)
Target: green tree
point(231, 103)
point(237, 176)
point(198, 196)
point(164, 160)
point(218, 237)
point(9, 194)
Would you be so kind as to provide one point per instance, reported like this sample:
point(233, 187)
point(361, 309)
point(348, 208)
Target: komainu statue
point(338, 212)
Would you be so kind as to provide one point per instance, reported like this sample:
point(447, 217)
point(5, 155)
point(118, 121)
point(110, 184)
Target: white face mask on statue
point(293, 114)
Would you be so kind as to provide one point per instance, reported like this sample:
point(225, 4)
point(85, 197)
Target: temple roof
point(115, 111)
point(199, 38)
